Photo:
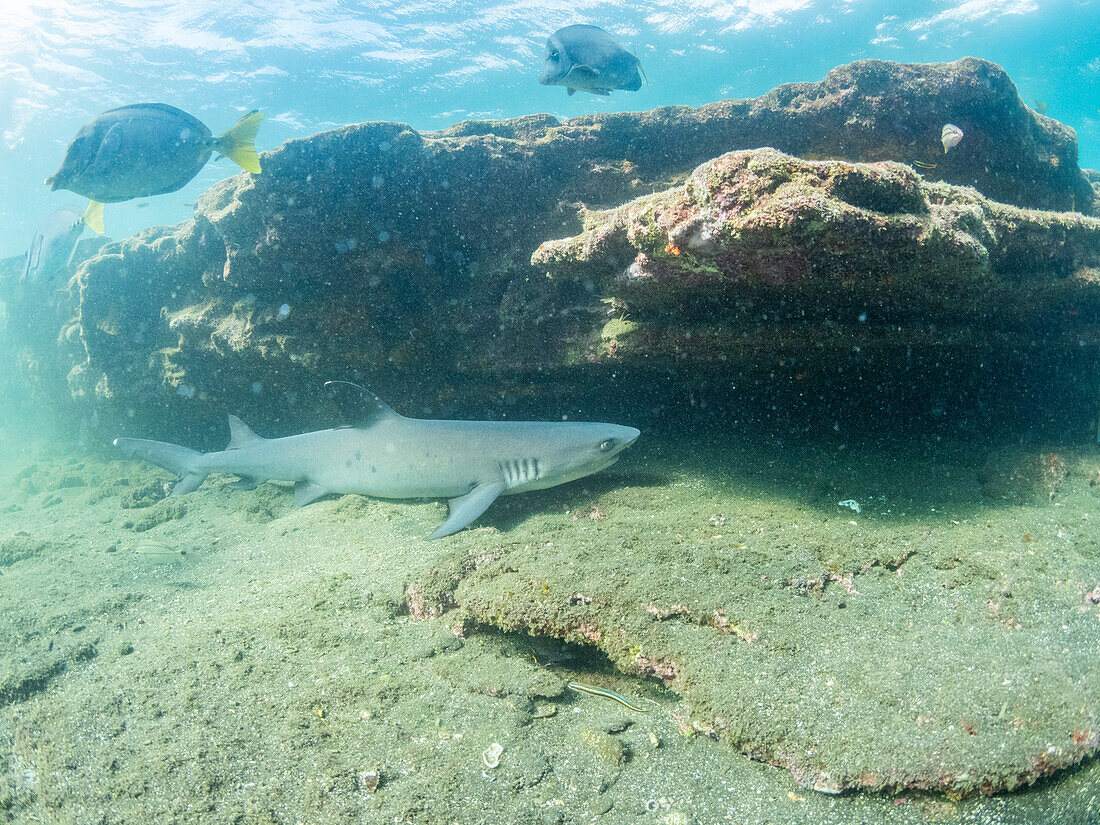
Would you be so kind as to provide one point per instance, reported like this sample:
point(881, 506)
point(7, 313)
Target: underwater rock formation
point(877, 653)
point(404, 259)
point(765, 258)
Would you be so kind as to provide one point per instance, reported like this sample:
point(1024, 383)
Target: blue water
point(322, 64)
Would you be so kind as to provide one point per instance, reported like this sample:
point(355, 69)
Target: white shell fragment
point(491, 755)
point(950, 136)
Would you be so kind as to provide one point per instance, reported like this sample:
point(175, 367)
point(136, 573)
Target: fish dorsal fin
point(240, 434)
point(360, 407)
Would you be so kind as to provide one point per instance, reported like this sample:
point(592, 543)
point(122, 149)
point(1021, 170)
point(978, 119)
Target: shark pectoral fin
point(465, 509)
point(306, 492)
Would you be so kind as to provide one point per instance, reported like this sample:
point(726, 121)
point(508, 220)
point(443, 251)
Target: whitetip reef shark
point(386, 455)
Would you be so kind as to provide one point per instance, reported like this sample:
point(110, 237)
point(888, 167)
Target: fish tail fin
point(182, 461)
point(238, 144)
point(93, 217)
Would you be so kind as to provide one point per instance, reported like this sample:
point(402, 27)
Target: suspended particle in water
point(383, 236)
point(257, 387)
point(284, 311)
point(377, 181)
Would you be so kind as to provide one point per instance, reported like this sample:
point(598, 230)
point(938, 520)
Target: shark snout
point(624, 437)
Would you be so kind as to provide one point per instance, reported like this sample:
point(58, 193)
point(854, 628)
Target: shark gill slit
point(519, 471)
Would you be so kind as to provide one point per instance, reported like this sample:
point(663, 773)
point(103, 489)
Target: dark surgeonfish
point(146, 149)
point(589, 59)
point(51, 252)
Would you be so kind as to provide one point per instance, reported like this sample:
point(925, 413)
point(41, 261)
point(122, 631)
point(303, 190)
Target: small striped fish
point(609, 694)
point(155, 552)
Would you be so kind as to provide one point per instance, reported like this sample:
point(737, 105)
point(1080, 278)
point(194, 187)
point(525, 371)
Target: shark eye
point(607, 445)
point(553, 54)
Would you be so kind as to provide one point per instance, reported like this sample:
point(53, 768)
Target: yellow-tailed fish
point(146, 149)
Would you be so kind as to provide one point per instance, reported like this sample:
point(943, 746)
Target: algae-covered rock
point(760, 233)
point(897, 648)
point(403, 259)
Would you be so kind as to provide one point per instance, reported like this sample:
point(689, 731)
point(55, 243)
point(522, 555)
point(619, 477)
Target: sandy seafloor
point(272, 675)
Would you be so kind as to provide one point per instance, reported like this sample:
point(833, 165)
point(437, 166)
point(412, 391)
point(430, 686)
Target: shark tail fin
point(180, 460)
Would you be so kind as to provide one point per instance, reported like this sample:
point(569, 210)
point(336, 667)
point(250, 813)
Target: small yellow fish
point(155, 552)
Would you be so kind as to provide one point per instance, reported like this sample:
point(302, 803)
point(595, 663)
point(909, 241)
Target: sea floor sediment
point(282, 670)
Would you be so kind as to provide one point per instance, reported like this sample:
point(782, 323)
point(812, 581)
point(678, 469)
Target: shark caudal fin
point(238, 144)
point(180, 460)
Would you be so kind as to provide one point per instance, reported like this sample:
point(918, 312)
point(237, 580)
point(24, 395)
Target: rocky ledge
point(764, 258)
point(404, 260)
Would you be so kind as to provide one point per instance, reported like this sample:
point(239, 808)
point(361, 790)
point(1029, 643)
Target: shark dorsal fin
point(240, 434)
point(360, 407)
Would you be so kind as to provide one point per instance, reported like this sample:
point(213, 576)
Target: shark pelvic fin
point(240, 434)
point(360, 407)
point(188, 484)
point(306, 492)
point(465, 509)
